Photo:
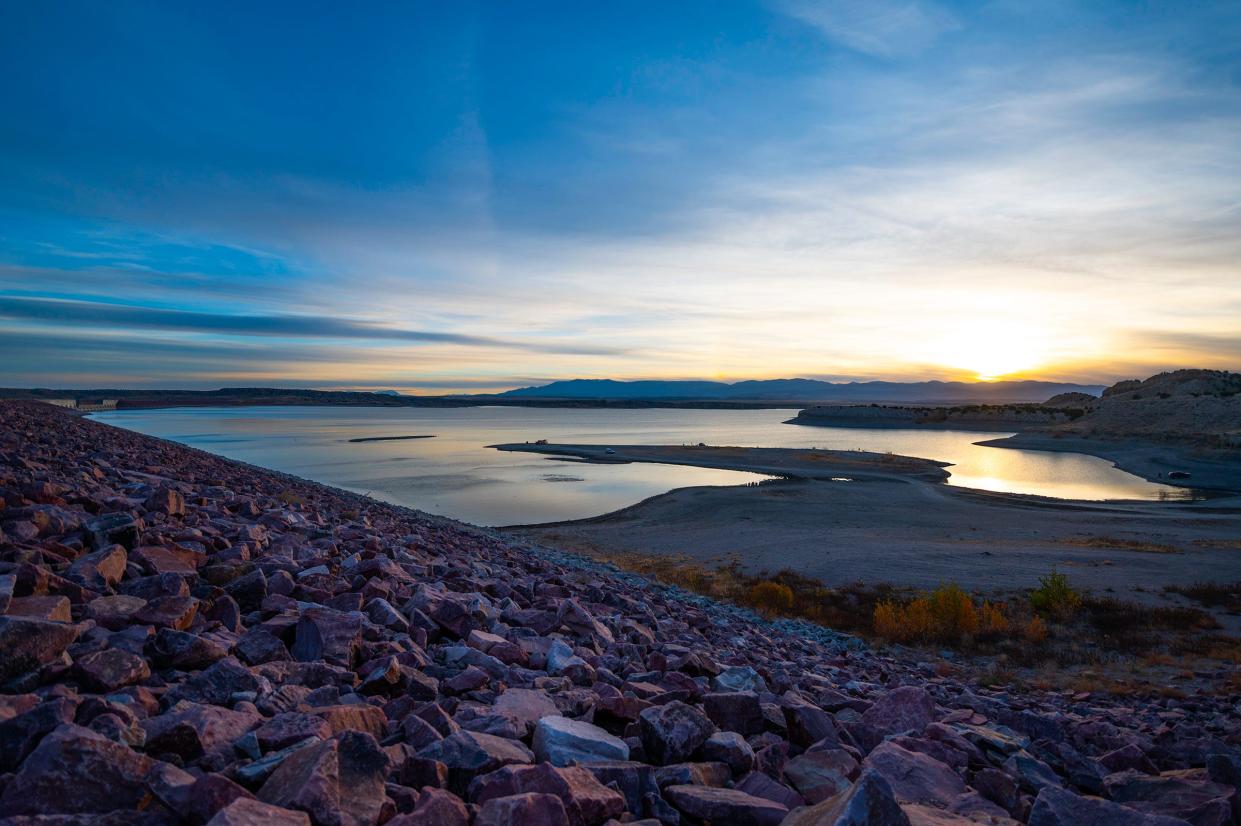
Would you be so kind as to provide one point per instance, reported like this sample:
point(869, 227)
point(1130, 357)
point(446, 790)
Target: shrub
point(770, 596)
point(1035, 630)
point(952, 612)
point(887, 621)
point(945, 615)
point(991, 620)
point(1054, 597)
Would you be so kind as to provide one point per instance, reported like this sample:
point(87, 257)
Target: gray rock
point(562, 742)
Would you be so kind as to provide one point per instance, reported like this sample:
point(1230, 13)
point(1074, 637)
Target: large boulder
point(908, 708)
point(1060, 807)
point(868, 802)
point(738, 711)
point(26, 644)
point(338, 782)
point(528, 809)
point(74, 770)
point(731, 806)
point(562, 742)
point(110, 669)
point(915, 777)
point(435, 807)
point(1189, 794)
point(247, 812)
point(526, 705)
point(191, 730)
point(101, 570)
point(671, 733)
point(586, 801)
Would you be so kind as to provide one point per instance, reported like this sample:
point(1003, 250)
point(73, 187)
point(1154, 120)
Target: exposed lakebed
point(456, 475)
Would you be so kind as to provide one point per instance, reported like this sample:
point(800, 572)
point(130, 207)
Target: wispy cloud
point(886, 28)
point(119, 317)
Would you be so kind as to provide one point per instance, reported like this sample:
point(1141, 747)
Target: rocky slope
point(185, 639)
point(1202, 405)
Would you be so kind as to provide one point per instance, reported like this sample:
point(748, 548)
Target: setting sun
point(989, 349)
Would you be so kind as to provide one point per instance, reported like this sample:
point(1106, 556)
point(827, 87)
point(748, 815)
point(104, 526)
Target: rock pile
point(185, 639)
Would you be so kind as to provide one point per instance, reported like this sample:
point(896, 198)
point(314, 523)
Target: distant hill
point(805, 390)
point(1182, 404)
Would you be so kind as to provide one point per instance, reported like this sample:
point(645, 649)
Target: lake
point(454, 474)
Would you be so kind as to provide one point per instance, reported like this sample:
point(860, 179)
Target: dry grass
point(1113, 543)
point(1124, 647)
point(1226, 595)
point(290, 497)
point(1222, 544)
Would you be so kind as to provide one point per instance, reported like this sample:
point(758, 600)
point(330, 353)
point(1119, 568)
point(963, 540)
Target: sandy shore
point(785, 462)
point(900, 528)
point(1209, 470)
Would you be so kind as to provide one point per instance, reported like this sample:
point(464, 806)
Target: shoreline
point(1146, 459)
point(907, 529)
point(772, 461)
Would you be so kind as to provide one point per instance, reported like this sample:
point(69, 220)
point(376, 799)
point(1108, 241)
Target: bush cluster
point(1054, 597)
point(946, 615)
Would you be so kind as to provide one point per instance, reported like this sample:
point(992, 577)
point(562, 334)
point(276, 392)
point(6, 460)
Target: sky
point(468, 197)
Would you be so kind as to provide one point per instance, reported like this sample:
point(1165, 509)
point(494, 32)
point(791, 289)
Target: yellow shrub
point(888, 621)
point(991, 619)
point(953, 613)
point(771, 596)
point(1035, 630)
point(947, 614)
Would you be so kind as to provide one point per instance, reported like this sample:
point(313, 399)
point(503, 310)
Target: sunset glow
point(504, 195)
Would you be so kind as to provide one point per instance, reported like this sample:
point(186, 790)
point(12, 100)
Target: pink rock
point(914, 777)
point(50, 608)
point(737, 711)
point(908, 708)
point(1060, 807)
point(530, 809)
point(578, 621)
point(586, 801)
point(246, 812)
point(761, 785)
point(725, 806)
point(525, 704)
point(284, 730)
point(101, 570)
point(157, 559)
point(115, 612)
point(26, 644)
point(110, 669)
point(672, 732)
point(325, 634)
point(1188, 794)
point(869, 802)
point(168, 612)
point(76, 770)
point(338, 782)
point(167, 501)
point(818, 775)
point(435, 807)
point(354, 718)
point(191, 730)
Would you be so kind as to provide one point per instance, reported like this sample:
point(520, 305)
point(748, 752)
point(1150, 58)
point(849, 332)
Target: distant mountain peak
point(803, 390)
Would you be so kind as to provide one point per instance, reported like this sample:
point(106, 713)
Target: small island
point(389, 438)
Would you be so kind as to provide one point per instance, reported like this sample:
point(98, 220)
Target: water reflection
point(455, 475)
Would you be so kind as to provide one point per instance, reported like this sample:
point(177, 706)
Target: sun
point(991, 350)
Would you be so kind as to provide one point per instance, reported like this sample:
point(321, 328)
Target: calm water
point(455, 475)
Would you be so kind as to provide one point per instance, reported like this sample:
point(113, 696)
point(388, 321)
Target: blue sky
point(462, 196)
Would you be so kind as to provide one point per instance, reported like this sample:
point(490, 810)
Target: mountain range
point(804, 390)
